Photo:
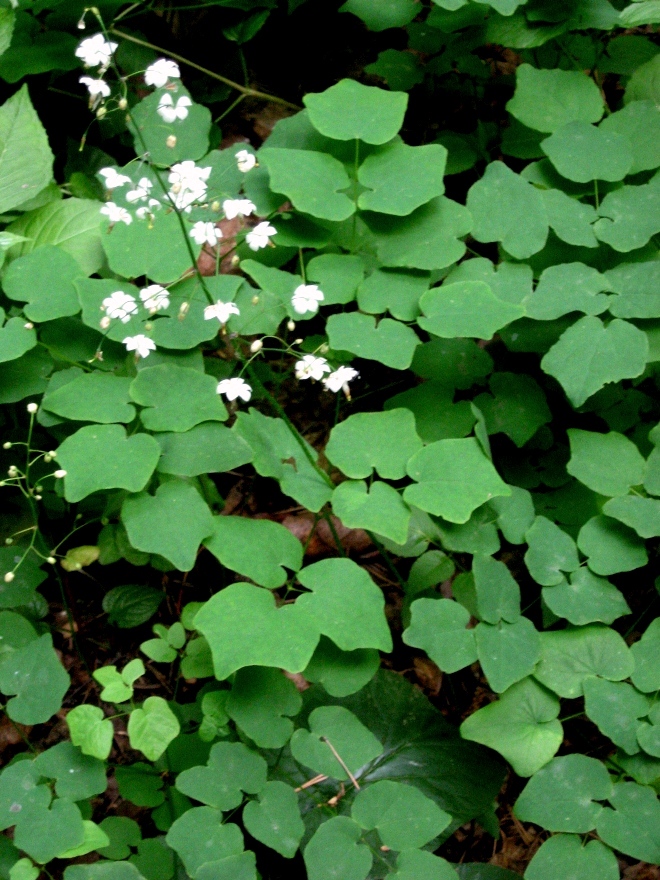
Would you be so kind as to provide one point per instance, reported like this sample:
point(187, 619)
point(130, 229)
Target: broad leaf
point(232, 769)
point(646, 653)
point(43, 280)
point(465, 308)
point(383, 441)
point(92, 397)
point(615, 708)
point(611, 546)
point(402, 815)
point(205, 449)
point(566, 856)
point(35, 680)
point(629, 216)
point(586, 599)
point(200, 836)
point(259, 703)
point(390, 342)
point(90, 730)
point(633, 826)
point(581, 152)
point(640, 514)
point(152, 727)
point(547, 99)
point(378, 508)
point(26, 160)
point(592, 457)
point(335, 850)
point(275, 819)
point(438, 626)
point(507, 652)
point(334, 731)
point(233, 542)
point(310, 180)
point(566, 288)
point(399, 178)
point(176, 398)
point(350, 110)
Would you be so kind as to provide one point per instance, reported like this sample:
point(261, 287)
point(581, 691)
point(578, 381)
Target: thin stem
point(245, 90)
point(596, 199)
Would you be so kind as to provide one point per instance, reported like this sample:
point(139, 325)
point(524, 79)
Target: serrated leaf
point(438, 626)
point(335, 731)
point(311, 180)
point(259, 703)
point(611, 547)
point(199, 836)
point(521, 726)
point(92, 397)
point(402, 815)
point(390, 342)
point(615, 707)
point(399, 178)
point(547, 99)
point(90, 730)
point(275, 819)
point(565, 855)
point(633, 826)
point(35, 680)
point(233, 541)
point(43, 280)
point(465, 308)
point(152, 727)
point(581, 152)
point(568, 287)
point(232, 768)
point(350, 110)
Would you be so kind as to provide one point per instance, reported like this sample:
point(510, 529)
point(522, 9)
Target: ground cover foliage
point(331, 439)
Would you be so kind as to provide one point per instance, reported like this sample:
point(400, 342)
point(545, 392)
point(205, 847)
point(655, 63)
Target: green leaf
point(244, 627)
point(102, 457)
point(341, 672)
point(639, 122)
point(259, 702)
point(92, 397)
point(148, 520)
point(90, 730)
point(141, 784)
point(103, 871)
point(646, 653)
point(71, 224)
point(633, 826)
point(515, 514)
point(640, 514)
point(498, 595)
point(420, 865)
point(563, 795)
point(591, 460)
point(400, 70)
point(199, 836)
point(517, 409)
point(637, 286)
point(378, 508)
point(566, 288)
point(643, 84)
point(610, 546)
point(44, 280)
point(629, 216)
point(438, 626)
point(570, 656)
point(389, 342)
point(152, 134)
point(15, 338)
point(205, 449)
point(338, 276)
point(547, 99)
point(155, 248)
point(130, 605)
point(383, 441)
point(154, 859)
point(233, 541)
point(36, 677)
point(402, 815)
point(345, 604)
point(48, 832)
point(436, 417)
point(26, 160)
point(648, 734)
point(453, 477)
point(123, 833)
point(465, 308)
point(117, 687)
point(507, 652)
point(581, 152)
point(586, 599)
point(379, 15)
point(551, 551)
point(77, 776)
point(152, 727)
point(589, 355)
point(335, 731)
point(571, 220)
point(521, 221)
point(275, 819)
point(176, 398)
point(21, 793)
point(396, 291)
point(23, 869)
point(336, 850)
point(350, 110)
point(429, 238)
point(639, 13)
point(567, 857)
point(615, 708)
point(521, 726)
point(399, 178)
point(232, 769)
point(510, 282)
point(310, 180)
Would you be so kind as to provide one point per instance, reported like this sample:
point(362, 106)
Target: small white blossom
point(221, 310)
point(32, 407)
point(148, 210)
point(113, 179)
point(98, 90)
point(306, 298)
point(116, 214)
point(259, 237)
point(155, 297)
point(205, 233)
point(169, 111)
point(238, 208)
point(95, 51)
point(140, 344)
point(9, 577)
point(120, 305)
point(311, 367)
point(339, 379)
point(158, 73)
point(60, 474)
point(233, 388)
point(189, 184)
point(141, 191)
point(245, 160)
point(256, 346)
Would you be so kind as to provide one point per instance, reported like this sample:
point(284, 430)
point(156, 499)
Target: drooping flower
point(140, 344)
point(169, 111)
point(259, 237)
point(205, 233)
point(311, 367)
point(339, 379)
point(245, 160)
point(306, 298)
point(148, 210)
point(96, 51)
point(116, 214)
point(158, 73)
point(141, 191)
point(221, 310)
point(98, 89)
point(120, 305)
point(233, 388)
point(113, 179)
point(238, 208)
point(154, 297)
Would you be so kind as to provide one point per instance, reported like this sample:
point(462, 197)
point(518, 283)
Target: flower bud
point(51, 559)
point(12, 471)
point(6, 445)
point(29, 325)
point(38, 497)
point(122, 103)
point(32, 407)
point(38, 488)
point(256, 346)
point(297, 341)
point(60, 473)
point(47, 458)
point(104, 323)
point(171, 141)
point(9, 577)
point(52, 454)
point(215, 206)
point(100, 113)
point(235, 260)
point(291, 325)
point(255, 300)
point(9, 541)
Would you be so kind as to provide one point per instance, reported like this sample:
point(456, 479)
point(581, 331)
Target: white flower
point(140, 344)
point(188, 184)
point(339, 379)
point(238, 208)
point(169, 111)
point(141, 191)
point(155, 297)
point(120, 305)
point(221, 310)
point(259, 237)
point(113, 178)
point(306, 298)
point(205, 233)
point(158, 73)
point(95, 51)
point(144, 212)
point(245, 160)
point(233, 388)
point(60, 474)
point(116, 214)
point(97, 88)
point(32, 407)
point(311, 367)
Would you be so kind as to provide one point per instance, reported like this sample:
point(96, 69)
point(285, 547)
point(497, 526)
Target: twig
point(339, 760)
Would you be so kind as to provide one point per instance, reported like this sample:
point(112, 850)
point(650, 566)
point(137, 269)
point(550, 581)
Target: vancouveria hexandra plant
point(491, 366)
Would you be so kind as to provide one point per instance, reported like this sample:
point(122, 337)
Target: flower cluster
point(311, 366)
